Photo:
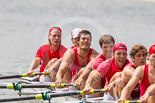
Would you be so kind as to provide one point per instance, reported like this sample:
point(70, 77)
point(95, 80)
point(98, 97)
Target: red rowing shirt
point(45, 54)
point(76, 66)
point(97, 61)
point(136, 91)
point(144, 84)
point(108, 68)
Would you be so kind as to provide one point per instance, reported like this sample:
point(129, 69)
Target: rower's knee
point(120, 83)
point(51, 62)
point(117, 74)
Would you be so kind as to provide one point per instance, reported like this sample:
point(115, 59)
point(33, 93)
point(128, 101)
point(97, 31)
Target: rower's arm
point(35, 63)
point(66, 62)
point(151, 90)
point(100, 72)
point(97, 75)
point(132, 83)
point(92, 79)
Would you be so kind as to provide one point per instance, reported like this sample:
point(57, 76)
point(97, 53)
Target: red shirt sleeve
point(104, 67)
point(97, 61)
point(39, 53)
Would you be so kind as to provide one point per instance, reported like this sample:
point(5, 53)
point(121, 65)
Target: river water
point(24, 27)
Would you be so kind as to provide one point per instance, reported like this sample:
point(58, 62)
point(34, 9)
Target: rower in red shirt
point(108, 68)
point(45, 53)
point(146, 76)
point(53, 65)
point(106, 43)
point(138, 55)
point(78, 57)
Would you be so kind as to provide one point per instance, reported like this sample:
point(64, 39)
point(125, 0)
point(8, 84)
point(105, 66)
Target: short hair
point(85, 32)
point(106, 39)
point(137, 48)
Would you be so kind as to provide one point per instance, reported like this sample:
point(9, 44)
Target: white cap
point(75, 32)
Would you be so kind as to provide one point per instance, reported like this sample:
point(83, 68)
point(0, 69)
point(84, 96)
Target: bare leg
point(68, 76)
point(50, 63)
point(151, 99)
point(53, 65)
point(120, 84)
point(117, 79)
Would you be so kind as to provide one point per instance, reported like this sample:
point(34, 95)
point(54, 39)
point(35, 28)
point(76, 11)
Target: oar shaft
point(50, 95)
point(10, 76)
point(17, 99)
point(34, 86)
point(3, 86)
point(18, 76)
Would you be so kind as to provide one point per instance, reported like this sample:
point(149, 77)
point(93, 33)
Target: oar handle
point(138, 101)
point(37, 96)
point(93, 91)
point(40, 73)
point(22, 75)
point(97, 90)
point(34, 74)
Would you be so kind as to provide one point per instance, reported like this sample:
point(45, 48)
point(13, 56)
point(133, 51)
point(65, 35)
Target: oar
point(18, 76)
point(138, 101)
point(48, 96)
point(128, 101)
point(86, 101)
point(19, 86)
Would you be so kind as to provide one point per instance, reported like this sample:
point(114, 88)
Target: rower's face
point(151, 57)
point(55, 37)
point(107, 49)
point(140, 58)
point(120, 57)
point(85, 41)
point(75, 42)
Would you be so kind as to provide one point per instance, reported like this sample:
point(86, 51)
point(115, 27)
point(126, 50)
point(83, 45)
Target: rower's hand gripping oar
point(19, 86)
point(22, 75)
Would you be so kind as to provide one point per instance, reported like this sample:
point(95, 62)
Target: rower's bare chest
point(82, 61)
point(151, 77)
